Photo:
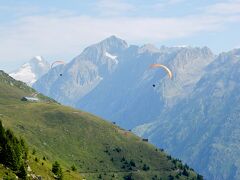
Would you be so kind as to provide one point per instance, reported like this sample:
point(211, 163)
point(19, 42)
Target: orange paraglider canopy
point(57, 63)
point(164, 67)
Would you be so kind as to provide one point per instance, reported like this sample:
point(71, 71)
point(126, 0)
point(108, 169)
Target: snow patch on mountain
point(112, 58)
point(25, 74)
point(110, 55)
point(31, 71)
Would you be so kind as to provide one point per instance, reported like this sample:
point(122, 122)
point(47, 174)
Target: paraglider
point(55, 63)
point(164, 67)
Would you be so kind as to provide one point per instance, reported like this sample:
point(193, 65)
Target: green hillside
point(98, 149)
point(17, 162)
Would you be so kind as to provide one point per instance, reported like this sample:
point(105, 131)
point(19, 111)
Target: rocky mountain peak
point(150, 48)
point(114, 42)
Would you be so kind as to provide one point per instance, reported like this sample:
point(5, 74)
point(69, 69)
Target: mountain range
point(193, 116)
point(205, 125)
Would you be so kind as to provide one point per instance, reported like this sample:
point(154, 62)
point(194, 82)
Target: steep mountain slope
point(6, 172)
point(96, 147)
point(31, 71)
point(15, 160)
point(111, 76)
point(206, 124)
point(83, 73)
point(127, 96)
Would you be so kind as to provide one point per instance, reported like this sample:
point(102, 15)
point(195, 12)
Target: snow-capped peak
point(40, 58)
point(113, 44)
point(31, 71)
point(115, 41)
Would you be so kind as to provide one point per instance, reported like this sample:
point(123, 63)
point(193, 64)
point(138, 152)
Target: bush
point(118, 149)
point(73, 168)
point(186, 166)
point(22, 172)
point(174, 161)
point(24, 149)
point(199, 177)
point(57, 170)
point(123, 167)
point(33, 151)
point(169, 157)
point(128, 177)
point(145, 167)
point(132, 163)
point(185, 173)
point(162, 150)
point(155, 177)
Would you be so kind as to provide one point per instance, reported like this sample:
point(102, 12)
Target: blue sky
point(60, 29)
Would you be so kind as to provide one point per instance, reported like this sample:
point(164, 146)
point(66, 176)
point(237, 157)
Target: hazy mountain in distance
point(31, 71)
point(204, 128)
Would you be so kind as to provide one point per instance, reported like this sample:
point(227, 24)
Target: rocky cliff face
point(127, 95)
point(111, 76)
point(69, 83)
point(205, 127)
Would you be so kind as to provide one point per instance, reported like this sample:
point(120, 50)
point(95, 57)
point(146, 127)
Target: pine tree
point(73, 167)
point(12, 150)
point(2, 142)
point(24, 149)
point(199, 177)
point(57, 170)
point(22, 172)
point(145, 167)
point(185, 173)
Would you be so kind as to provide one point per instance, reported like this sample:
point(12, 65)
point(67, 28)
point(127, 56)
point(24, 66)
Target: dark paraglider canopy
point(153, 85)
point(60, 74)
